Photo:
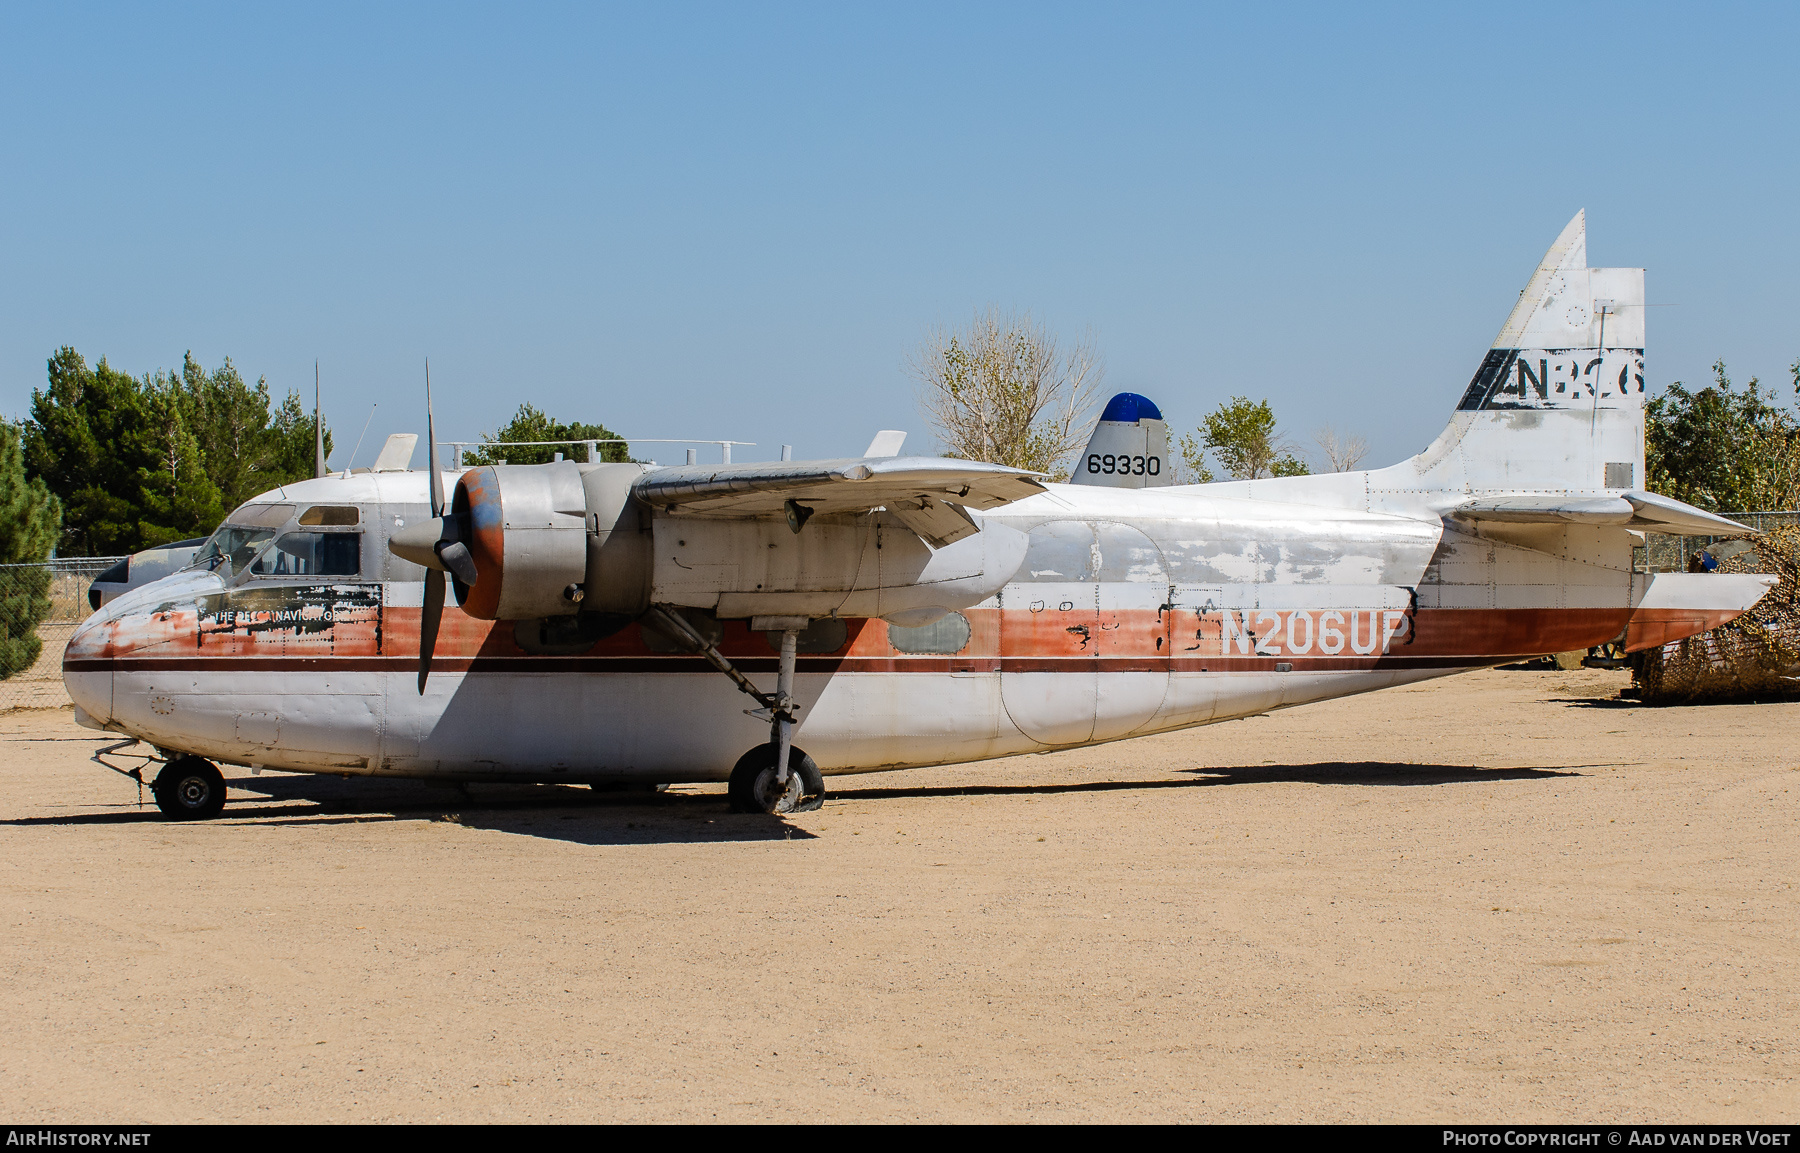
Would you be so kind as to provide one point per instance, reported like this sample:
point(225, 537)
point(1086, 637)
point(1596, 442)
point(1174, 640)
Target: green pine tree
point(177, 499)
point(291, 433)
point(229, 420)
point(30, 521)
point(87, 440)
point(138, 462)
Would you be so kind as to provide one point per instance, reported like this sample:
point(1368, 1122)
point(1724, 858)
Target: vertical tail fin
point(1129, 447)
point(1558, 402)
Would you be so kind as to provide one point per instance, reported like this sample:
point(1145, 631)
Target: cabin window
point(942, 637)
point(313, 554)
point(330, 515)
point(1061, 551)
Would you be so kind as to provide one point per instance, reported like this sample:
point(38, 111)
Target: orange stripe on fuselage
point(248, 629)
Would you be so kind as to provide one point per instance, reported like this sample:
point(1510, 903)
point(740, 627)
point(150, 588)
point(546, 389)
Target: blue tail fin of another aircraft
point(1129, 447)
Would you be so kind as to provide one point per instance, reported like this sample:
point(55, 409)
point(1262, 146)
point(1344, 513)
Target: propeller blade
point(437, 478)
point(428, 623)
point(457, 558)
point(318, 428)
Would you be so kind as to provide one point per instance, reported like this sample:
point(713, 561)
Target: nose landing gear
point(189, 789)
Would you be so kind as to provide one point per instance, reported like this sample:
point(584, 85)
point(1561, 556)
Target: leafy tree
point(1241, 435)
point(30, 522)
point(1195, 470)
point(1005, 390)
point(1287, 464)
point(531, 424)
point(1721, 448)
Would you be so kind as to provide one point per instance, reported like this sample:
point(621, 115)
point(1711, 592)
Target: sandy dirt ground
point(1506, 896)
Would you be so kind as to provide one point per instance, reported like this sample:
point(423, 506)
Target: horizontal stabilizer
point(1639, 510)
point(1665, 514)
point(856, 485)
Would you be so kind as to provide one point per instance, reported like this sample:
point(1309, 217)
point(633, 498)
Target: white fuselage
point(1133, 612)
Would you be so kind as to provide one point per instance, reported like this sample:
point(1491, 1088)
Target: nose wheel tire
point(189, 789)
point(754, 788)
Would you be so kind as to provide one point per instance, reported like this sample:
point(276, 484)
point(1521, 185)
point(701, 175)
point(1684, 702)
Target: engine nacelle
point(552, 540)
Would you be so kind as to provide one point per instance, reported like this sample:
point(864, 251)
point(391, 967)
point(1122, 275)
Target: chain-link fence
point(1662, 552)
point(23, 590)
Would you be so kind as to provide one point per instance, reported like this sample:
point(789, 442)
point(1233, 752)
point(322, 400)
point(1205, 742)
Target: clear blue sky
point(735, 220)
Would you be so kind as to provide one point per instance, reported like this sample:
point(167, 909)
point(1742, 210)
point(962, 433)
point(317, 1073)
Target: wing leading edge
point(928, 494)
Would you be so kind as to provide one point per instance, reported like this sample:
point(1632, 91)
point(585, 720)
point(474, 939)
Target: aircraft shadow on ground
point(581, 816)
point(1716, 702)
point(559, 812)
point(1329, 773)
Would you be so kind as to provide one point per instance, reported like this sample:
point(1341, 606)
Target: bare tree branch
point(1343, 452)
point(1003, 390)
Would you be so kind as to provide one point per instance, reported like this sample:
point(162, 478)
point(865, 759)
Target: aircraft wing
point(1640, 510)
point(852, 485)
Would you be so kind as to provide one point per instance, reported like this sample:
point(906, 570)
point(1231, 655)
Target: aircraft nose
point(87, 672)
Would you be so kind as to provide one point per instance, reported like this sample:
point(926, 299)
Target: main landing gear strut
point(776, 777)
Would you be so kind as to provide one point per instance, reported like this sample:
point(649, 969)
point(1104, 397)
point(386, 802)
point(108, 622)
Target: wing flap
point(937, 523)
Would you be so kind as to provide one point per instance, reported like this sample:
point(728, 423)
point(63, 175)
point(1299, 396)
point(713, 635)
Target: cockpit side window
point(231, 548)
point(261, 515)
point(312, 554)
point(236, 542)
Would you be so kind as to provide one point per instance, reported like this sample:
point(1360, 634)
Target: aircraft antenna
point(359, 439)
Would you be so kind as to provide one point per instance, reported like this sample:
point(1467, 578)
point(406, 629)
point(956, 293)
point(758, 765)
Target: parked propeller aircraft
point(601, 623)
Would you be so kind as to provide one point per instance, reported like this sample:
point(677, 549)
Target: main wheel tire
point(753, 787)
point(189, 789)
